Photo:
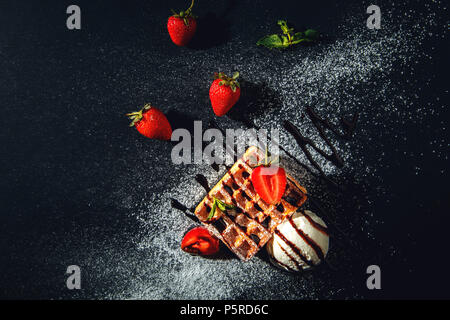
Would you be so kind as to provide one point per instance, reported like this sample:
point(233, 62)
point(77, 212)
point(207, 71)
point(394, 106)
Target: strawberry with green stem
point(182, 26)
point(151, 123)
point(224, 92)
point(269, 181)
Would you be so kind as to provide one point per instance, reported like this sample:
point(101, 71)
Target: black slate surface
point(80, 187)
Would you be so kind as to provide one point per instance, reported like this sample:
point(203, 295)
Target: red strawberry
point(224, 93)
point(199, 241)
point(269, 182)
point(182, 26)
point(151, 122)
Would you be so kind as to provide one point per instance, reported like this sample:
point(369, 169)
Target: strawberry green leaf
point(283, 26)
point(229, 206)
point(298, 36)
point(299, 40)
point(285, 41)
point(271, 41)
point(224, 205)
point(228, 81)
point(219, 204)
point(213, 211)
point(311, 34)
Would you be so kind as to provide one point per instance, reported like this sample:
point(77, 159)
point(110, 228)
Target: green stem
point(190, 8)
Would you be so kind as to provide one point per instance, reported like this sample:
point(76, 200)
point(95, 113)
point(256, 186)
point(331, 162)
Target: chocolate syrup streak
point(303, 142)
point(321, 124)
point(201, 179)
point(316, 225)
point(294, 248)
point(281, 263)
point(314, 202)
point(179, 206)
point(308, 240)
point(299, 267)
point(250, 125)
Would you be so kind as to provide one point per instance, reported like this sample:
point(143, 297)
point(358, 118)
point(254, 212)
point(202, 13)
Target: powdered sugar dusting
point(379, 65)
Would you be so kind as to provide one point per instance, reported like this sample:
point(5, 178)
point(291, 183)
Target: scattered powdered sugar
point(378, 65)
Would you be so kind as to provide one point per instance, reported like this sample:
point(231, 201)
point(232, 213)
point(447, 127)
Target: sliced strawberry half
point(269, 182)
point(199, 241)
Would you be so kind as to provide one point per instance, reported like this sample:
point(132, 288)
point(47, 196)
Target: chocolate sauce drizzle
point(322, 124)
point(281, 263)
point(299, 267)
point(308, 240)
point(201, 179)
point(179, 206)
point(316, 225)
point(294, 248)
point(348, 126)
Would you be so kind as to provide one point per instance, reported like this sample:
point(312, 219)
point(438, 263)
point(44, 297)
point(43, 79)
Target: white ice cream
point(300, 242)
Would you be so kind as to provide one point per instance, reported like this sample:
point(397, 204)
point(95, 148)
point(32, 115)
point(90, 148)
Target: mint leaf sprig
point(219, 204)
point(288, 38)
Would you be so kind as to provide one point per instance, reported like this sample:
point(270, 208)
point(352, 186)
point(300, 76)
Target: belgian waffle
point(251, 225)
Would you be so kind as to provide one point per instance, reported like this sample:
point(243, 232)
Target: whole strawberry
point(151, 122)
point(182, 26)
point(224, 93)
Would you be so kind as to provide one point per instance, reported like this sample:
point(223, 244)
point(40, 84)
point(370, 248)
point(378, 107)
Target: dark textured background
point(73, 174)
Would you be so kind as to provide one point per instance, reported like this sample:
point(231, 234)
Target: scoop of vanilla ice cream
point(300, 242)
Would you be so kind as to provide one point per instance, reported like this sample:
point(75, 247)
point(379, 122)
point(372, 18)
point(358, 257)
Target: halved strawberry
point(269, 182)
point(199, 241)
